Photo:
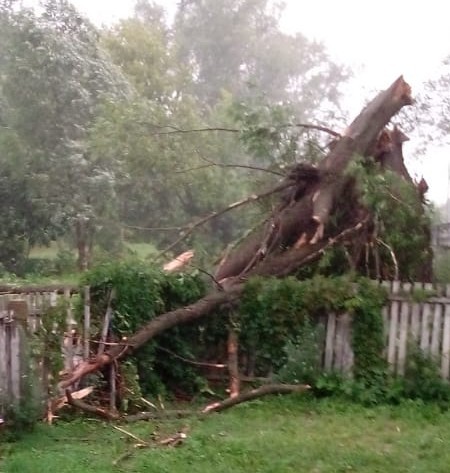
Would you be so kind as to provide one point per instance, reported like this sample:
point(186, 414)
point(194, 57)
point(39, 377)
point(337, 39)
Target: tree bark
point(308, 216)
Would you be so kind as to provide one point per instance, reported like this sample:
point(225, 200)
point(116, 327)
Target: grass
point(278, 435)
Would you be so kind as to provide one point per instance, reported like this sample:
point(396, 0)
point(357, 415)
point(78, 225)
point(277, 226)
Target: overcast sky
point(378, 40)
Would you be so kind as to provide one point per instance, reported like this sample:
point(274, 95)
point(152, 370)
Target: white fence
point(416, 313)
point(21, 314)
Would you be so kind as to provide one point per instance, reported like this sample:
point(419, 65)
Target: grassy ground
point(278, 435)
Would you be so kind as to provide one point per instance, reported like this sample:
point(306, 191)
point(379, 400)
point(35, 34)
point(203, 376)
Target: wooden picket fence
point(20, 315)
point(416, 313)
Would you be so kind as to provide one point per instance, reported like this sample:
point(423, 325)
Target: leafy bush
point(422, 379)
point(141, 292)
point(19, 419)
point(303, 356)
point(274, 311)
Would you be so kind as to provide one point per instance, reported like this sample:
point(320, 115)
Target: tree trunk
point(305, 219)
point(84, 236)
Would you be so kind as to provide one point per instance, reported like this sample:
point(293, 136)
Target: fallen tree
point(300, 229)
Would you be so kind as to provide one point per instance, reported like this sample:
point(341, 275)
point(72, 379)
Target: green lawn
point(277, 435)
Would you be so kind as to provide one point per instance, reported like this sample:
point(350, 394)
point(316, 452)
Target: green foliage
point(62, 263)
point(397, 212)
point(422, 379)
point(274, 311)
point(442, 266)
point(19, 419)
point(141, 292)
point(368, 334)
point(303, 356)
point(47, 340)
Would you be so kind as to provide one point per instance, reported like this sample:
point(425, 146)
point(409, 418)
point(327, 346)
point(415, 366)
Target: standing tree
point(53, 77)
point(238, 46)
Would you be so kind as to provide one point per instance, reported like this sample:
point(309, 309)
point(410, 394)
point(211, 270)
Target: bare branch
point(191, 362)
point(191, 227)
point(91, 409)
point(176, 130)
point(222, 165)
point(254, 394)
point(393, 257)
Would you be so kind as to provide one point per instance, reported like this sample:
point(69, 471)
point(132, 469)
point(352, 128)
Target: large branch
point(255, 394)
point(280, 266)
point(154, 327)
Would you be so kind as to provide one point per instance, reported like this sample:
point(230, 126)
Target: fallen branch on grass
point(254, 394)
point(84, 406)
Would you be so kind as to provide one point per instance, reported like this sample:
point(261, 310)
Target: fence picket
point(426, 320)
point(436, 329)
point(347, 351)
point(393, 320)
point(415, 314)
point(403, 335)
point(331, 327)
point(3, 365)
point(445, 361)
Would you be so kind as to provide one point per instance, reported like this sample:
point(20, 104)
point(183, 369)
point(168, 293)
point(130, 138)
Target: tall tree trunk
point(84, 236)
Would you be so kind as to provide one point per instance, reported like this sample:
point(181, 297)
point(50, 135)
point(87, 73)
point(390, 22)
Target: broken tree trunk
point(297, 232)
point(305, 219)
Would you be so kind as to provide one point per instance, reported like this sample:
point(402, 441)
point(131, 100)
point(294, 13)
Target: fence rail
point(415, 313)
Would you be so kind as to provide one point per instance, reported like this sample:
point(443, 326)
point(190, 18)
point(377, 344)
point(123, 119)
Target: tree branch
point(191, 362)
point(222, 165)
point(177, 130)
point(191, 227)
point(254, 394)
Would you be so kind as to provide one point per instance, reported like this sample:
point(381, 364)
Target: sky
point(378, 40)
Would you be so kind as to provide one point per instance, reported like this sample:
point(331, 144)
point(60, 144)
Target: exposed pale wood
point(403, 335)
point(106, 324)
point(179, 262)
point(393, 320)
point(329, 350)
